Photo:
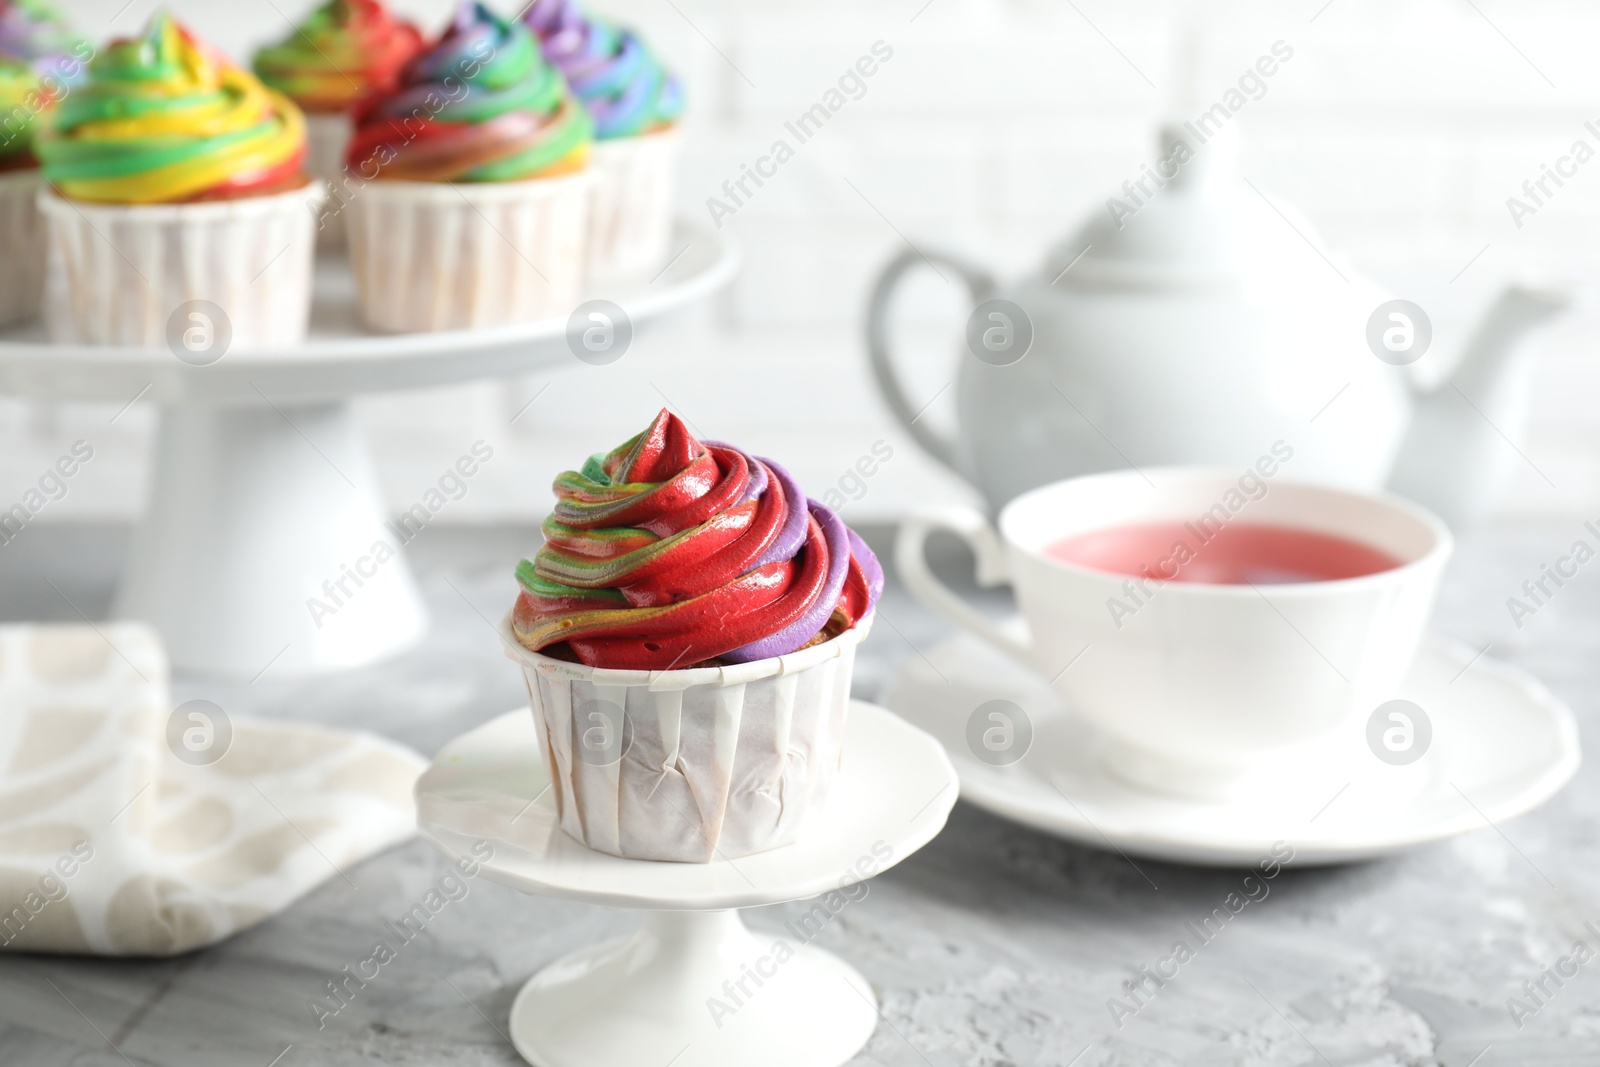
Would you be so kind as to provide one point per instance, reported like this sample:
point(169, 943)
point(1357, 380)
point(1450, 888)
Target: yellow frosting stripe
point(163, 120)
point(205, 118)
point(180, 181)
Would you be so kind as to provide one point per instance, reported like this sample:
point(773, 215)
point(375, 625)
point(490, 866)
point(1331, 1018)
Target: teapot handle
point(980, 286)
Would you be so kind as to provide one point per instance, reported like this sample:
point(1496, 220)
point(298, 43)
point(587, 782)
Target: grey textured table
point(994, 945)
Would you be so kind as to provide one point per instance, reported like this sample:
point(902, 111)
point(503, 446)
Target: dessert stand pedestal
point(694, 986)
point(261, 487)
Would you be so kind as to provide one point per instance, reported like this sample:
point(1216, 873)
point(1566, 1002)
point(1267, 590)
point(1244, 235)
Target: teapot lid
point(1169, 227)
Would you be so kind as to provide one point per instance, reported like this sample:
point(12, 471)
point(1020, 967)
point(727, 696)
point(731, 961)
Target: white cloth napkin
point(110, 844)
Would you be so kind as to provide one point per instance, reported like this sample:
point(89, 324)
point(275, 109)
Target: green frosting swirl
point(22, 101)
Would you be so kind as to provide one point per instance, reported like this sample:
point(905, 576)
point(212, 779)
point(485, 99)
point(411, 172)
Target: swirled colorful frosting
point(344, 51)
point(163, 118)
point(41, 59)
point(668, 552)
point(35, 33)
point(619, 80)
point(480, 105)
point(22, 101)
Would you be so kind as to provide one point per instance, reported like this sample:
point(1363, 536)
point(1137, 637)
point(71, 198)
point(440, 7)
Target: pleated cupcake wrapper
point(327, 137)
point(464, 255)
point(630, 223)
point(121, 271)
point(22, 246)
point(692, 765)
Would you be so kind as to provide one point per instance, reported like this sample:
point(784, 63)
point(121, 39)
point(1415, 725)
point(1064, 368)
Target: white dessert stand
point(262, 489)
point(1502, 744)
point(645, 999)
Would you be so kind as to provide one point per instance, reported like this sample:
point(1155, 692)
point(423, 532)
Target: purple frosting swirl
point(621, 83)
point(794, 636)
point(33, 32)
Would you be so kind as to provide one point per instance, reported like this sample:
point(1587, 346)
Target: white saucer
point(1502, 744)
point(648, 999)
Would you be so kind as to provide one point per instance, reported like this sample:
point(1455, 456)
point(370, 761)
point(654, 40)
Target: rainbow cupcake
point(687, 634)
point(41, 59)
point(345, 51)
point(636, 105)
point(177, 188)
point(475, 201)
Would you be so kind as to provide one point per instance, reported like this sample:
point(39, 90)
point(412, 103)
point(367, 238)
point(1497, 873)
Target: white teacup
point(1199, 684)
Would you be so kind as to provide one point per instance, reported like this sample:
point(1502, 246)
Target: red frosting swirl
point(668, 552)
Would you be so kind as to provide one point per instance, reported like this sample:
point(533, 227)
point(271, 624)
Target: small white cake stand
point(261, 488)
point(693, 987)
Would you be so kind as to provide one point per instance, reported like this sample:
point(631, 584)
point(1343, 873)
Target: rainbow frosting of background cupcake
point(41, 59)
point(636, 105)
point(620, 81)
point(479, 105)
point(164, 119)
point(344, 51)
point(24, 99)
point(34, 32)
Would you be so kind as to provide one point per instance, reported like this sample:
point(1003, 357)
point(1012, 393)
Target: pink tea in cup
point(1238, 553)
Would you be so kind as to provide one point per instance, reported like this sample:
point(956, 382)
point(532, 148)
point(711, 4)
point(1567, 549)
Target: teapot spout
point(1465, 437)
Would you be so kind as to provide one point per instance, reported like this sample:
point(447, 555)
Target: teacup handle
point(912, 561)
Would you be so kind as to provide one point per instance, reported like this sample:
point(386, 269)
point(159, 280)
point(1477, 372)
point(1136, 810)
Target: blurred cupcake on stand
point(178, 203)
point(475, 197)
point(636, 105)
point(40, 60)
point(343, 52)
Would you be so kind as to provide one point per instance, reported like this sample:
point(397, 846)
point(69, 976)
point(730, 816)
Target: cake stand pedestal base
point(262, 543)
point(699, 989)
point(693, 987)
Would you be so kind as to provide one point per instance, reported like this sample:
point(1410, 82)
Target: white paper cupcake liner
point(463, 255)
point(22, 243)
point(123, 271)
point(327, 137)
point(631, 219)
point(692, 765)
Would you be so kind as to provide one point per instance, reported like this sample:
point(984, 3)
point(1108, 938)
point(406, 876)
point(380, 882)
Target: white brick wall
point(1399, 128)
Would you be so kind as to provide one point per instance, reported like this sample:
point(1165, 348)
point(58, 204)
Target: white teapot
point(1193, 322)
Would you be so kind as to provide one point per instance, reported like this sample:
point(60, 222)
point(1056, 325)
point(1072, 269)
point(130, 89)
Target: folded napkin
point(111, 844)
